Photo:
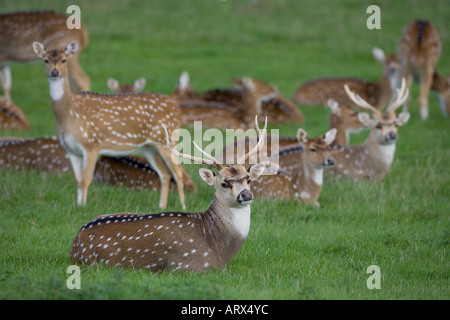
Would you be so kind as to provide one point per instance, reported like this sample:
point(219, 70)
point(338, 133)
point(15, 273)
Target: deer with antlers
point(301, 168)
point(379, 94)
point(177, 240)
point(89, 124)
point(374, 157)
point(47, 155)
point(21, 29)
point(11, 116)
point(137, 85)
point(419, 51)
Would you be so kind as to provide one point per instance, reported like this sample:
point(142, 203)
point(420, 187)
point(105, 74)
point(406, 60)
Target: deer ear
point(248, 83)
point(256, 170)
point(330, 135)
point(139, 84)
point(183, 80)
point(113, 84)
point(333, 105)
point(365, 119)
point(207, 176)
point(378, 54)
point(402, 118)
point(39, 49)
point(302, 136)
point(71, 48)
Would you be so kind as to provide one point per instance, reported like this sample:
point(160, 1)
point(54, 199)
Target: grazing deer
point(11, 117)
point(419, 51)
point(47, 155)
point(215, 114)
point(305, 163)
point(379, 94)
point(89, 124)
point(372, 159)
point(177, 240)
point(441, 86)
point(137, 86)
point(20, 29)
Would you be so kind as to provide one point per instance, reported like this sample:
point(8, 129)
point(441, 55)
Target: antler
point(360, 101)
point(402, 95)
point(259, 145)
point(210, 161)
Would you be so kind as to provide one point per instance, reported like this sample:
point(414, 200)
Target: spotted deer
point(12, 117)
point(301, 170)
point(220, 115)
point(177, 240)
point(21, 29)
point(419, 51)
point(373, 159)
point(441, 86)
point(379, 94)
point(137, 86)
point(90, 124)
point(47, 155)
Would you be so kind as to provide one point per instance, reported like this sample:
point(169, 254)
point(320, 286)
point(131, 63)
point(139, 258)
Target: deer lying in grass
point(47, 155)
point(277, 108)
point(419, 51)
point(11, 117)
point(372, 159)
point(137, 86)
point(304, 164)
point(89, 124)
point(177, 240)
point(20, 29)
point(318, 91)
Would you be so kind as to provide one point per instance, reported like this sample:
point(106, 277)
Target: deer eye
point(46, 60)
point(248, 181)
point(313, 149)
point(379, 126)
point(226, 185)
point(63, 60)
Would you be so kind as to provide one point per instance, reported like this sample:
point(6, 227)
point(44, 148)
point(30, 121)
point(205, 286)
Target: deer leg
point(426, 80)
point(77, 166)
point(177, 172)
point(90, 160)
point(161, 169)
point(78, 78)
point(406, 73)
point(5, 76)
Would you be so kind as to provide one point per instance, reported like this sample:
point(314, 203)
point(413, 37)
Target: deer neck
point(61, 97)
point(226, 228)
point(342, 135)
point(251, 107)
point(307, 182)
point(385, 86)
point(384, 153)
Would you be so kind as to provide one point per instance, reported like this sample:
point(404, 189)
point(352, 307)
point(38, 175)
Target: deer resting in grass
point(12, 117)
point(177, 240)
point(373, 159)
point(91, 124)
point(137, 86)
point(20, 29)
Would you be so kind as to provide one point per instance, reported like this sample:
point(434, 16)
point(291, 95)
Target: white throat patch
point(241, 220)
point(56, 88)
point(388, 152)
point(318, 176)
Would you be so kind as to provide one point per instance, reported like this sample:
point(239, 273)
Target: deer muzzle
point(245, 197)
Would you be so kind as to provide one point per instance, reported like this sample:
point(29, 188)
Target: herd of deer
point(112, 126)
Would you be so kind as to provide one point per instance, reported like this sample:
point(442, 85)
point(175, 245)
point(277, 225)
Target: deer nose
point(391, 136)
point(245, 196)
point(329, 162)
point(54, 73)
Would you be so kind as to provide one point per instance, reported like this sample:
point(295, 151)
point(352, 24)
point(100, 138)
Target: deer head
point(55, 60)
point(317, 150)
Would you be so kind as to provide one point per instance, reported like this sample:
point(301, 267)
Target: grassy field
point(400, 224)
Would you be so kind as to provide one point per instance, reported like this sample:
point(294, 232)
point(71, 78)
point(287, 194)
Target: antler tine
point(359, 101)
point(402, 95)
point(217, 163)
point(259, 145)
point(213, 163)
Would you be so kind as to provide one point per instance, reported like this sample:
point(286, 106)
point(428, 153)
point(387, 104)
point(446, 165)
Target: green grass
point(400, 224)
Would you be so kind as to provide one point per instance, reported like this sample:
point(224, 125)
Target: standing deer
point(89, 124)
point(47, 155)
point(379, 94)
point(137, 86)
point(304, 165)
point(20, 29)
point(11, 117)
point(419, 51)
point(441, 86)
point(372, 159)
point(177, 240)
